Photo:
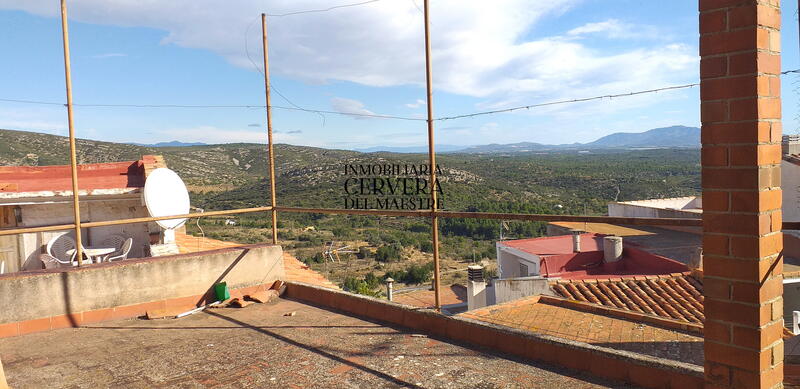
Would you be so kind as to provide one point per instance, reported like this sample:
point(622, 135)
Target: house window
point(523, 270)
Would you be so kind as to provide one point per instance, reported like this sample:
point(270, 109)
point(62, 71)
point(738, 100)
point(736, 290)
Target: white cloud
point(109, 55)
point(611, 26)
point(343, 105)
point(416, 104)
point(479, 48)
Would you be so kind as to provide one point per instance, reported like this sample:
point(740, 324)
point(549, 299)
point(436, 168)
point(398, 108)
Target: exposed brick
point(756, 247)
point(726, 42)
point(754, 292)
point(717, 374)
point(755, 201)
point(713, 111)
point(747, 132)
point(713, 67)
point(752, 14)
point(734, 357)
point(716, 201)
point(736, 178)
point(714, 156)
point(717, 331)
point(728, 88)
point(716, 21)
point(741, 269)
point(757, 338)
point(755, 155)
point(716, 244)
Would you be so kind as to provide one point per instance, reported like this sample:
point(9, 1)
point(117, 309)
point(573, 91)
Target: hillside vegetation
point(234, 176)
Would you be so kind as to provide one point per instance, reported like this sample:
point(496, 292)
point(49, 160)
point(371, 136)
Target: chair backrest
point(126, 247)
point(115, 241)
point(49, 261)
point(58, 246)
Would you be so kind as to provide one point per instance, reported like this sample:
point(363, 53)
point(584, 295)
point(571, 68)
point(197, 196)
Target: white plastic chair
point(51, 262)
point(126, 248)
point(115, 241)
point(58, 247)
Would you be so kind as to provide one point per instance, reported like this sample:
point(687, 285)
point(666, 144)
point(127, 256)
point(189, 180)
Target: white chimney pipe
point(612, 248)
point(576, 241)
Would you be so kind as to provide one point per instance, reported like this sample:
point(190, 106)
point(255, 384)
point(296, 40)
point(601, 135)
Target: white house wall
point(790, 184)
point(34, 215)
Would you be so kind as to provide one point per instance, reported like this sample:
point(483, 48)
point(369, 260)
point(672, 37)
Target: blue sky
point(487, 55)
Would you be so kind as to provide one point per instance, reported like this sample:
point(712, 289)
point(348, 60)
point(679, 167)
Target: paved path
point(257, 347)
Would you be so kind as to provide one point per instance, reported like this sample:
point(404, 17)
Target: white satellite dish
point(165, 194)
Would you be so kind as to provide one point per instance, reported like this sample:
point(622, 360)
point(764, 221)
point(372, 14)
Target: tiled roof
point(677, 296)
point(542, 315)
point(425, 298)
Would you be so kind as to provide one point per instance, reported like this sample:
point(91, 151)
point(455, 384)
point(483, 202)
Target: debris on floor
point(263, 296)
point(239, 303)
point(280, 286)
point(290, 313)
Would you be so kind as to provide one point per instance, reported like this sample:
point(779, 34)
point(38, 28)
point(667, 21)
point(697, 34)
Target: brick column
point(741, 154)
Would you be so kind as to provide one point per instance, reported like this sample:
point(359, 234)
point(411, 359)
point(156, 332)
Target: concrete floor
point(258, 347)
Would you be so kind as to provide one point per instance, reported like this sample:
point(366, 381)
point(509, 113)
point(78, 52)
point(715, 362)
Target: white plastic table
point(94, 252)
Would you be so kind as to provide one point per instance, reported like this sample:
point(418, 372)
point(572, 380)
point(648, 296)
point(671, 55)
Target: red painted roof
point(555, 245)
point(114, 175)
point(588, 265)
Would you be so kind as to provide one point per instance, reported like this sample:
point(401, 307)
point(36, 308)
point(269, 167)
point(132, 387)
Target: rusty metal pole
point(72, 158)
point(432, 162)
point(269, 130)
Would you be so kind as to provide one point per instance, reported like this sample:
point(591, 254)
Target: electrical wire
point(377, 116)
point(322, 9)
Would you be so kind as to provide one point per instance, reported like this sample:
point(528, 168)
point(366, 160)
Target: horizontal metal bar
point(639, 221)
point(502, 216)
point(132, 221)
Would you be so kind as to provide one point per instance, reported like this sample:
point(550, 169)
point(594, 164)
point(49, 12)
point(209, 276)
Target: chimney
point(476, 287)
point(576, 240)
point(612, 248)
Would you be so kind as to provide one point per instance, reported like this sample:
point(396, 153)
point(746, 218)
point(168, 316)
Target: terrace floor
point(259, 347)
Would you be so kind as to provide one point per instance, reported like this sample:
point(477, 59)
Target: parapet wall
point(642, 370)
point(40, 300)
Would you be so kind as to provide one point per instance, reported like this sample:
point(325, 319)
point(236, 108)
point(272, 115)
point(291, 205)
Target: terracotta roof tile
point(676, 296)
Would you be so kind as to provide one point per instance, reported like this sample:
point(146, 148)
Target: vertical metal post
point(432, 162)
point(269, 130)
point(73, 159)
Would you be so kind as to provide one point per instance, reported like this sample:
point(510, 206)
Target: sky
point(368, 59)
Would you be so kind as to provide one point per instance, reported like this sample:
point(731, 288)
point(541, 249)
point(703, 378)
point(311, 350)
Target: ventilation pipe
point(576, 240)
point(476, 287)
point(389, 289)
point(612, 248)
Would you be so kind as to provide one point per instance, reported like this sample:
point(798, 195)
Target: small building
point(35, 196)
point(527, 266)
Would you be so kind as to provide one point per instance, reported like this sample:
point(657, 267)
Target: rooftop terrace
point(260, 347)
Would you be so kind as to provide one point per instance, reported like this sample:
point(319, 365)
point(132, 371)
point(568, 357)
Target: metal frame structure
point(434, 213)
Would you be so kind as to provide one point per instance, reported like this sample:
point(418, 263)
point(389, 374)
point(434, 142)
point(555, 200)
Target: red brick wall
point(741, 153)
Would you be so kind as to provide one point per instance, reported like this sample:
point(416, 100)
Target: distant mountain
point(175, 143)
point(675, 136)
point(411, 149)
point(665, 137)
